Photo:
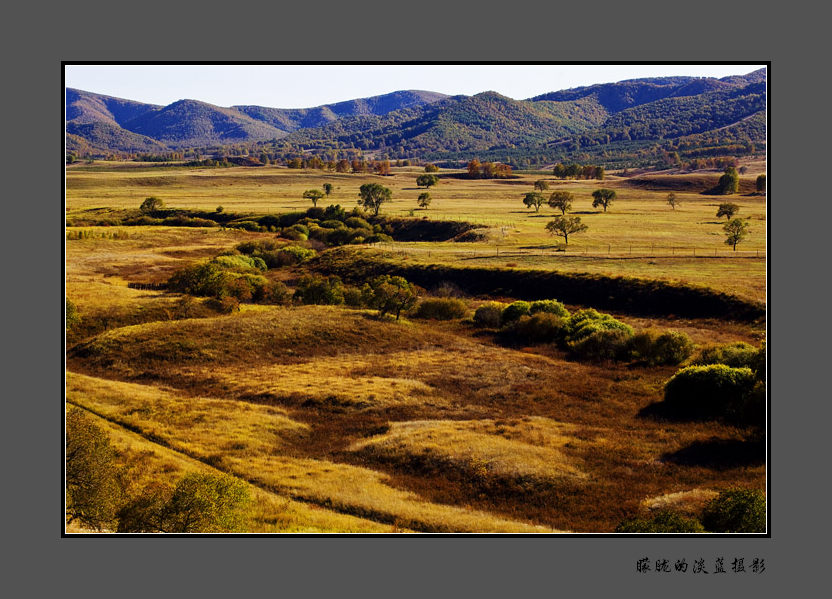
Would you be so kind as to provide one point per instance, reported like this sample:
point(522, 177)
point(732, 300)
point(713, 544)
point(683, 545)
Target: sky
point(305, 86)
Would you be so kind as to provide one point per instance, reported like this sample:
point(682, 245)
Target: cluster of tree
point(729, 182)
point(99, 494)
point(578, 171)
point(488, 170)
point(388, 294)
point(720, 162)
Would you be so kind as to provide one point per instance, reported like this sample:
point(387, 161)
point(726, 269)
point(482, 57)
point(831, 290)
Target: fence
point(561, 251)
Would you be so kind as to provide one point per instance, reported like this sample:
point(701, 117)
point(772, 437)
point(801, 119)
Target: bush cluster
point(734, 510)
point(656, 348)
point(441, 308)
point(489, 315)
point(222, 277)
point(736, 355)
point(714, 391)
point(332, 226)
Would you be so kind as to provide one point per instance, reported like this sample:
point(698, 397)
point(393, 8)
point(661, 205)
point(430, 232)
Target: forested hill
point(636, 121)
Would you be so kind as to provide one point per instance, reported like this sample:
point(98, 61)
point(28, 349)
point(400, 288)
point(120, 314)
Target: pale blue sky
point(303, 86)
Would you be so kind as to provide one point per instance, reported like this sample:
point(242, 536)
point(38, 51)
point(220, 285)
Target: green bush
point(735, 355)
point(353, 297)
point(224, 305)
point(656, 348)
point(241, 262)
point(714, 391)
point(73, 319)
point(332, 224)
point(602, 344)
point(294, 234)
point(585, 322)
point(356, 222)
point(550, 306)
point(663, 521)
point(489, 315)
point(515, 310)
point(312, 289)
point(389, 294)
point(736, 510)
point(256, 248)
point(543, 327)
point(208, 279)
point(441, 308)
point(248, 225)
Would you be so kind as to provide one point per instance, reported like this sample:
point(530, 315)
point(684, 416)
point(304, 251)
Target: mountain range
point(603, 121)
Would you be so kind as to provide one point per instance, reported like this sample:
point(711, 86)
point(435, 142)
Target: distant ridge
point(636, 119)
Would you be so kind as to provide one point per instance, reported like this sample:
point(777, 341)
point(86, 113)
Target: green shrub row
point(732, 511)
point(716, 391)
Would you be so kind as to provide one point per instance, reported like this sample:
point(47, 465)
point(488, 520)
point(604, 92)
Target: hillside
point(628, 123)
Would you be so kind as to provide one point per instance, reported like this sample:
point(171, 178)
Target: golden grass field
point(342, 422)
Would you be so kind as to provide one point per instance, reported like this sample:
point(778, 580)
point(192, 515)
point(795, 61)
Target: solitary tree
point(389, 294)
point(735, 231)
point(431, 168)
point(328, 189)
point(424, 200)
point(728, 210)
point(561, 200)
point(603, 197)
point(92, 489)
point(151, 205)
point(541, 185)
point(761, 183)
point(564, 226)
point(314, 195)
point(729, 182)
point(671, 200)
point(534, 199)
point(427, 181)
point(372, 196)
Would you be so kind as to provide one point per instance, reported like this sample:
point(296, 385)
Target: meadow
point(342, 421)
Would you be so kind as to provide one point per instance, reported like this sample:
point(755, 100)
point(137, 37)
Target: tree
point(151, 204)
point(382, 168)
point(372, 196)
point(93, 492)
point(564, 226)
point(534, 199)
point(474, 169)
point(761, 183)
point(73, 319)
point(541, 185)
point(431, 168)
point(389, 294)
point(559, 171)
point(729, 183)
point(424, 200)
point(342, 166)
point(671, 200)
point(603, 197)
point(427, 181)
point(735, 230)
point(199, 503)
point(314, 195)
point(561, 200)
point(328, 189)
point(727, 209)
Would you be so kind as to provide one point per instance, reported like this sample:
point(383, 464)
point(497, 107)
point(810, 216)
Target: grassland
point(341, 421)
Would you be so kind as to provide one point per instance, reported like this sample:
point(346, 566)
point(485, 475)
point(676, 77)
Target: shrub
point(710, 392)
point(332, 224)
point(515, 310)
point(248, 225)
point(294, 235)
point(585, 322)
point(353, 297)
point(256, 248)
point(378, 238)
point(441, 308)
point(312, 289)
point(736, 510)
point(241, 262)
point(273, 293)
point(662, 521)
point(207, 279)
point(334, 212)
point(356, 222)
point(735, 355)
point(602, 344)
point(543, 327)
point(656, 348)
point(316, 213)
point(292, 254)
point(489, 315)
point(224, 305)
point(550, 306)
